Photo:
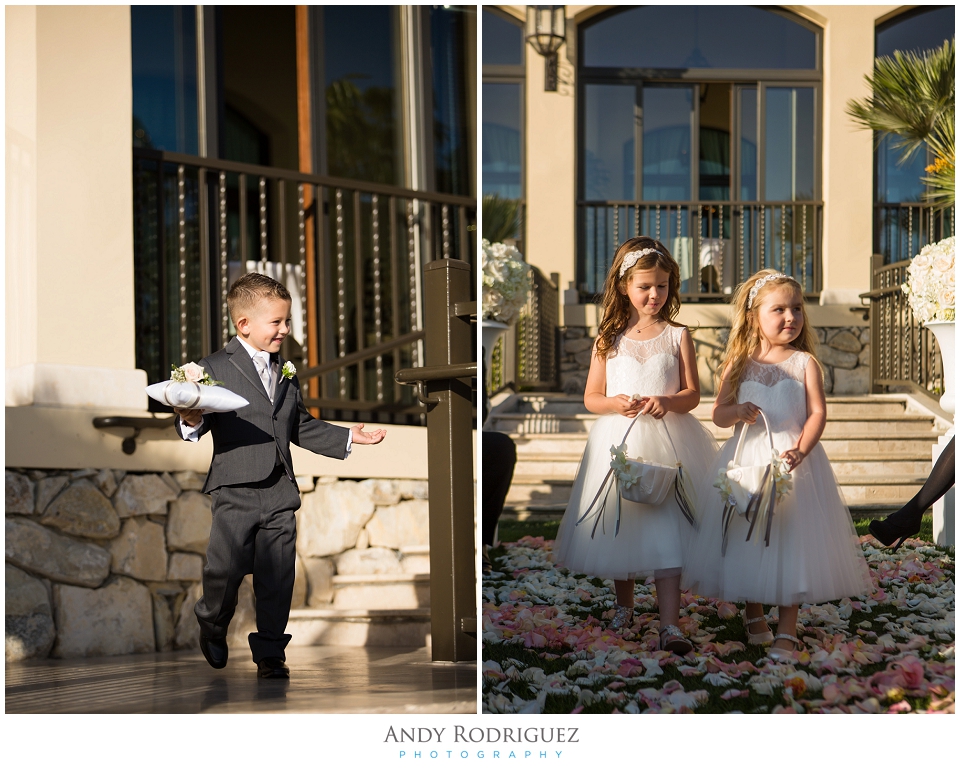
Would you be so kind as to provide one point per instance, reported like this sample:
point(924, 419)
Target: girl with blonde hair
point(804, 548)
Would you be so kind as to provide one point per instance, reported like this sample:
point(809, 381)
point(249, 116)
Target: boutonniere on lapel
point(288, 371)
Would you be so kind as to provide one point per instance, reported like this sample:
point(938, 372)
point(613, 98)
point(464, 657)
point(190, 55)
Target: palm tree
point(913, 101)
point(501, 218)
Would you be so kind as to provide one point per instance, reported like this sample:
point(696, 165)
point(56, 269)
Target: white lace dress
point(649, 539)
point(814, 553)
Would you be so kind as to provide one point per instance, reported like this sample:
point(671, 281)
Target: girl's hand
point(624, 405)
point(359, 436)
point(654, 406)
point(748, 412)
point(793, 457)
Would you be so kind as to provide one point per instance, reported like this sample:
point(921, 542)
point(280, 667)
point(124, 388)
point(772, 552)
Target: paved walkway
point(323, 679)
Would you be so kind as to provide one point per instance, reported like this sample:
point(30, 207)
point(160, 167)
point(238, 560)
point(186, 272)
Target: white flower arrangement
point(624, 472)
point(781, 478)
point(930, 286)
point(289, 371)
point(506, 282)
point(192, 372)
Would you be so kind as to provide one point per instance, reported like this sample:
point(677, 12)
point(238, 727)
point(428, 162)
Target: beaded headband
point(760, 283)
point(633, 257)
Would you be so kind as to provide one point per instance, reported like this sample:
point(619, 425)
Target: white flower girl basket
point(753, 490)
point(643, 481)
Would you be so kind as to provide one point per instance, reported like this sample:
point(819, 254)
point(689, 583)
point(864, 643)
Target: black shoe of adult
point(893, 532)
point(272, 667)
point(214, 651)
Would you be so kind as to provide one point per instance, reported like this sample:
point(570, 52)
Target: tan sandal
point(623, 618)
point(763, 638)
point(673, 640)
point(784, 654)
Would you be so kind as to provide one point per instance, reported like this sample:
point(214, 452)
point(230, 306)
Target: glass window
point(259, 74)
point(715, 141)
point(502, 40)
point(361, 81)
point(788, 141)
point(451, 142)
point(748, 144)
point(667, 117)
point(164, 58)
point(709, 37)
point(918, 30)
point(609, 142)
point(502, 140)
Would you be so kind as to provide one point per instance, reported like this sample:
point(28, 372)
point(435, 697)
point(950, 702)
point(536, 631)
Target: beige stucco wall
point(70, 326)
point(69, 292)
point(847, 153)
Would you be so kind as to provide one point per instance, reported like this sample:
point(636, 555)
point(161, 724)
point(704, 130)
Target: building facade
point(723, 132)
point(155, 153)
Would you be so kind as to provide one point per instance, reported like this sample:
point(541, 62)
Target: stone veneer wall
point(102, 562)
point(844, 353)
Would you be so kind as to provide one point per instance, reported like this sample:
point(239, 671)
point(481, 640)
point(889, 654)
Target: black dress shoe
point(272, 667)
point(214, 651)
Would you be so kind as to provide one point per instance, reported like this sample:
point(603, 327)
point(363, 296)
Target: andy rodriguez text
point(491, 735)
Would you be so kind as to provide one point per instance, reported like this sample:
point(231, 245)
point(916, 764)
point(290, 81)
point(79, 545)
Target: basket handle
point(666, 430)
point(737, 454)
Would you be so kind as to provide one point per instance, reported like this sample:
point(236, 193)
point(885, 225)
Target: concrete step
point(531, 492)
point(381, 591)
point(548, 466)
point(359, 627)
point(914, 445)
point(837, 426)
point(551, 403)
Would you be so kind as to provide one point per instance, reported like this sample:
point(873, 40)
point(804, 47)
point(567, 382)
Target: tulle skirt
point(651, 538)
point(814, 553)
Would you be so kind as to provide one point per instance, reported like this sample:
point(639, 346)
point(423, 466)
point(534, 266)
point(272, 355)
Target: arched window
point(700, 125)
point(503, 74)
point(902, 223)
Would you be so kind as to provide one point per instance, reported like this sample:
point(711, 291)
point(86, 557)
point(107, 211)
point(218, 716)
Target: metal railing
point(527, 354)
point(902, 353)
point(445, 385)
point(902, 229)
point(350, 252)
point(716, 243)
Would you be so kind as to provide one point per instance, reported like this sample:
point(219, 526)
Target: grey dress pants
point(254, 531)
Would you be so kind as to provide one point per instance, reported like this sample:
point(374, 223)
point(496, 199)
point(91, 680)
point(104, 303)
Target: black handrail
point(251, 169)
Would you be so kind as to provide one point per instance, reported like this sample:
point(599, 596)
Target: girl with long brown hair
point(643, 382)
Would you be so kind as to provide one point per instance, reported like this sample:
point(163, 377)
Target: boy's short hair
point(249, 289)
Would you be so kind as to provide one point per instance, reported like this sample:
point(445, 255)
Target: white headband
point(759, 284)
point(631, 259)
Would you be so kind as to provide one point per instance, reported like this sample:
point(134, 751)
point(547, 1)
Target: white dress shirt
point(190, 433)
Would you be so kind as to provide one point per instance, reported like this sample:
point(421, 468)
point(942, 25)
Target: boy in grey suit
point(251, 479)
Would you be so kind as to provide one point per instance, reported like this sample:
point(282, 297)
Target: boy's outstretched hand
point(359, 436)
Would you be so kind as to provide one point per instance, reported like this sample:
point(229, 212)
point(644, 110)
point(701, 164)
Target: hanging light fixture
point(546, 31)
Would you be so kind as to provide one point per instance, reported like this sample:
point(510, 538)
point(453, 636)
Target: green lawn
point(511, 531)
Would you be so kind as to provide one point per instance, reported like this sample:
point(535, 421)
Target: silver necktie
point(263, 368)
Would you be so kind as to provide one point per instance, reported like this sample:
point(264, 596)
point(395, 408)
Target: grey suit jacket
point(246, 442)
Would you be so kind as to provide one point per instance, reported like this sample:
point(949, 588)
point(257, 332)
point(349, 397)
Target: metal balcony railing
point(902, 229)
point(716, 243)
point(351, 253)
point(902, 353)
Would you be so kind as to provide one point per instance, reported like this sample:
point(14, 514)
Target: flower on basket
point(930, 285)
point(781, 478)
point(288, 371)
point(506, 282)
point(191, 372)
point(623, 469)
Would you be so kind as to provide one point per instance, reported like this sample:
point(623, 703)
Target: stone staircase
point(372, 609)
point(879, 445)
